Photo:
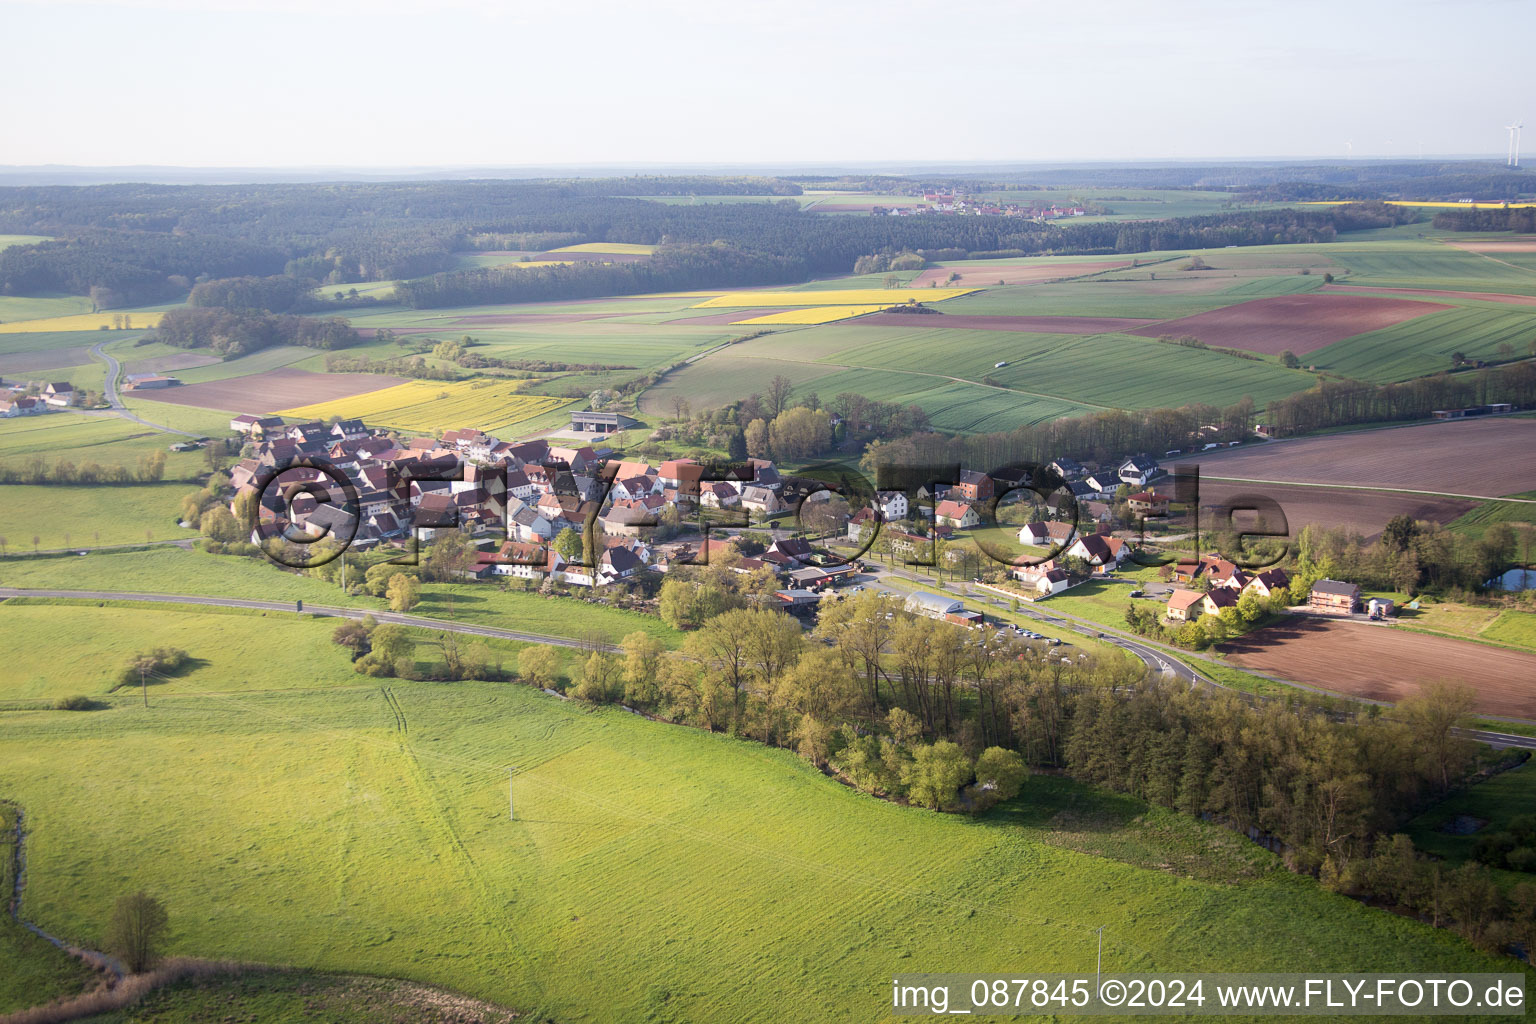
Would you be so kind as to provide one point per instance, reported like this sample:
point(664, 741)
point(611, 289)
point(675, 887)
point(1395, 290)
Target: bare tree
point(138, 927)
point(778, 394)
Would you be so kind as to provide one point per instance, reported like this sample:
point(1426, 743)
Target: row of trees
point(1343, 402)
point(150, 469)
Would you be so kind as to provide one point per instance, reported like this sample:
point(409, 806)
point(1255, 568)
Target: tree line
point(236, 332)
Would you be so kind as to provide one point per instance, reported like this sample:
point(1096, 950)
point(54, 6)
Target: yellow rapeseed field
point(85, 322)
point(812, 315)
point(431, 407)
point(617, 248)
point(835, 297)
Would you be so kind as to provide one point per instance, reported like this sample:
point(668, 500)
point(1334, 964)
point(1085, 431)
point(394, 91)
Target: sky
point(506, 83)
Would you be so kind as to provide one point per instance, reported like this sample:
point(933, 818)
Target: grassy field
point(29, 307)
point(951, 404)
point(654, 872)
point(86, 515)
point(1477, 520)
point(35, 971)
point(431, 407)
point(170, 570)
point(1424, 345)
point(108, 440)
point(833, 297)
point(1431, 265)
point(232, 650)
point(1512, 627)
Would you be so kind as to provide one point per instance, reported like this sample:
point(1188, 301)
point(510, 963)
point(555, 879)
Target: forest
point(234, 333)
point(127, 244)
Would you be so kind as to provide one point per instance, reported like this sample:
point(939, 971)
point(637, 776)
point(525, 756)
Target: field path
point(394, 618)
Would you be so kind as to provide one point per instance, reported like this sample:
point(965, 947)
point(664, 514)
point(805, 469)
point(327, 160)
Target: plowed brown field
point(1385, 663)
point(1301, 323)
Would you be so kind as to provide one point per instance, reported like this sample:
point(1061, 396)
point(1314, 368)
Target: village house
point(60, 395)
point(1334, 597)
point(762, 500)
point(1148, 503)
point(1138, 470)
point(1100, 550)
point(1104, 482)
point(1046, 534)
point(956, 514)
point(1187, 605)
point(892, 505)
point(973, 487)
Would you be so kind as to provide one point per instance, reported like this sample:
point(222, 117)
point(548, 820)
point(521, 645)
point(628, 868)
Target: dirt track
point(1387, 663)
point(1301, 323)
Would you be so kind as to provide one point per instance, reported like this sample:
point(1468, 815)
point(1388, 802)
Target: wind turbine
point(1513, 160)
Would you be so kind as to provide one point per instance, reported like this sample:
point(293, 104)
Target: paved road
point(113, 369)
point(394, 618)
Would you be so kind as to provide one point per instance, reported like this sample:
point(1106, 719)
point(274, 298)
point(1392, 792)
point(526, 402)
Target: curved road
point(113, 369)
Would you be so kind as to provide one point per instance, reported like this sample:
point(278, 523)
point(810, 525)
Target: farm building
point(152, 382)
point(1334, 596)
point(1381, 607)
point(594, 422)
point(934, 606)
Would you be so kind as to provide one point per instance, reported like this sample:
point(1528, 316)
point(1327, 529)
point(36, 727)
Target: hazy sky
point(506, 82)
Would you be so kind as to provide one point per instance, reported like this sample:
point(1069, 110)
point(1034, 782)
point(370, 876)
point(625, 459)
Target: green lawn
point(654, 872)
point(89, 514)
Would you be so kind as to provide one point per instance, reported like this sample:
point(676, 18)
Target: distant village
point(958, 203)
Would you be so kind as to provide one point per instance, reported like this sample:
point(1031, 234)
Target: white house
point(1138, 470)
point(1044, 535)
point(1097, 549)
point(892, 505)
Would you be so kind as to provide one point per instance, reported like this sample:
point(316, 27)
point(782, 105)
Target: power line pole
point(143, 687)
point(1098, 973)
point(511, 810)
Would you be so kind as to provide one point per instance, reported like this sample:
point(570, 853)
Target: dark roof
point(1336, 588)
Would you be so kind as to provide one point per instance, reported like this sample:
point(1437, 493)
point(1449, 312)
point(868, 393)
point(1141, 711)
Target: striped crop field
point(812, 315)
point(85, 322)
point(836, 297)
point(615, 248)
point(430, 407)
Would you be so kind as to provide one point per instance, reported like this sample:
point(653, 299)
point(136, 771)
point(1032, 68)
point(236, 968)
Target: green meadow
point(657, 872)
point(89, 515)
